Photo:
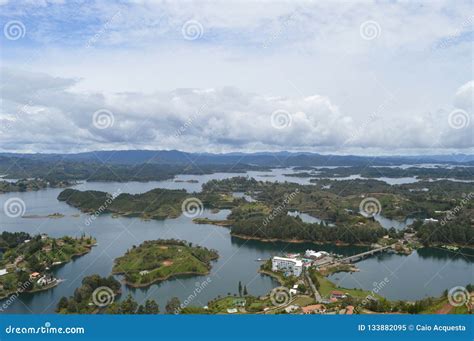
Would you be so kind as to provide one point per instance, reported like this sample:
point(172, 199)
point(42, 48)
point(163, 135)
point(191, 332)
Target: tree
point(173, 306)
point(245, 290)
point(129, 306)
point(63, 304)
point(240, 288)
point(151, 307)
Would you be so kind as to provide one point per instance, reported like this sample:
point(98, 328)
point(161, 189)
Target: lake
point(425, 272)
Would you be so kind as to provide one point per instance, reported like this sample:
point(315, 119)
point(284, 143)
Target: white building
point(314, 254)
point(288, 265)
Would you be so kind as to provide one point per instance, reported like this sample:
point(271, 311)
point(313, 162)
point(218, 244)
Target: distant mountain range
point(134, 157)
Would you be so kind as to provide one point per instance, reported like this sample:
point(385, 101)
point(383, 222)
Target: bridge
point(362, 255)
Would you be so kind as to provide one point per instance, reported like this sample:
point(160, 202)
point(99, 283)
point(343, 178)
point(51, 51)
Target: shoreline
point(56, 283)
point(294, 241)
point(45, 288)
point(301, 241)
point(161, 279)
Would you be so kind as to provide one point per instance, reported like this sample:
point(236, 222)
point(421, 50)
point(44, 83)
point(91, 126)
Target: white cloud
point(345, 93)
point(48, 116)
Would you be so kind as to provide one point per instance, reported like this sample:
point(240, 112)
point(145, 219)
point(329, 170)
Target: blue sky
point(326, 76)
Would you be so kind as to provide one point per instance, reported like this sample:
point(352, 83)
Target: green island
point(83, 301)
point(99, 295)
point(26, 261)
point(389, 172)
point(337, 206)
point(433, 205)
point(158, 260)
point(25, 185)
point(223, 222)
point(154, 204)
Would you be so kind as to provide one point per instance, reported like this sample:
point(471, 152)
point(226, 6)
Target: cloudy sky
point(382, 77)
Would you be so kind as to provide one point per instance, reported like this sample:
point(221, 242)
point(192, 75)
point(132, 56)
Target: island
point(95, 293)
point(442, 212)
point(158, 260)
point(155, 204)
point(26, 261)
point(25, 185)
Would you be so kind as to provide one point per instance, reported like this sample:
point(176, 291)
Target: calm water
point(423, 273)
point(388, 223)
point(237, 260)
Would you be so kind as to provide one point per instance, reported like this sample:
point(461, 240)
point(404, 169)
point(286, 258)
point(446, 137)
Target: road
point(317, 295)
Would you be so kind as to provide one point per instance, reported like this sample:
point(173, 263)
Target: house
point(430, 220)
point(232, 311)
point(337, 294)
point(314, 309)
point(291, 308)
point(349, 310)
point(144, 272)
point(288, 265)
point(46, 280)
point(3, 272)
point(46, 248)
point(316, 255)
point(34, 275)
point(295, 290)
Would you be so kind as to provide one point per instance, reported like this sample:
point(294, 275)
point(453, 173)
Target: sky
point(339, 77)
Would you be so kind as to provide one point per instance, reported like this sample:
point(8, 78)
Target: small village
point(27, 264)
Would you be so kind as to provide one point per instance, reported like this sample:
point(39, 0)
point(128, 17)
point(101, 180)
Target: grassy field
point(158, 260)
point(327, 286)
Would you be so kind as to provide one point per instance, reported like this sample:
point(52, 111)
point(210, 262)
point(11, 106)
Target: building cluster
point(319, 309)
point(293, 264)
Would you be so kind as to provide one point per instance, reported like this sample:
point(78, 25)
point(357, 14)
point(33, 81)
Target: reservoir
point(426, 272)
